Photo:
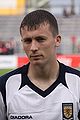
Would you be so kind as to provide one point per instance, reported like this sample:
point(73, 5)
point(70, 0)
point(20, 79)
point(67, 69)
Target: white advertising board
point(8, 61)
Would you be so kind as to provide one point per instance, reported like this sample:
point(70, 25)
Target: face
point(40, 45)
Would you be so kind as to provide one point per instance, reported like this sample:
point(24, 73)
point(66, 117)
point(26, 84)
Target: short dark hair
point(33, 20)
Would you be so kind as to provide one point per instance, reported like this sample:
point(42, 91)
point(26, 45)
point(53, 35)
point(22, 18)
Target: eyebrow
point(44, 37)
point(36, 37)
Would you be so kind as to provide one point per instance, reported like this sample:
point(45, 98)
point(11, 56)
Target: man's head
point(34, 19)
point(39, 34)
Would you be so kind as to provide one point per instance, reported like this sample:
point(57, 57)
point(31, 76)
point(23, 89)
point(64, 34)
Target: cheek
point(50, 49)
point(26, 49)
point(49, 46)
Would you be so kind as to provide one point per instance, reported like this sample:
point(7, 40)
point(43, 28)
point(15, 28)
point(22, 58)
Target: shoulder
point(16, 72)
point(71, 75)
point(11, 81)
point(72, 79)
point(70, 70)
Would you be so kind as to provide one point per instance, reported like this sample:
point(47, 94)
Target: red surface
point(71, 60)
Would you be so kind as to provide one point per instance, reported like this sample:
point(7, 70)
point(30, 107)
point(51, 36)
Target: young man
point(44, 88)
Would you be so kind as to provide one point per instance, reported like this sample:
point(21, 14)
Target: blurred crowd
point(7, 47)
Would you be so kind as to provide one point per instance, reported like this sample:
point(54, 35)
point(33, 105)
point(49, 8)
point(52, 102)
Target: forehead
point(41, 29)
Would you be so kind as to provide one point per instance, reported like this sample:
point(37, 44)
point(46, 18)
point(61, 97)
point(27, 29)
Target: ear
point(57, 41)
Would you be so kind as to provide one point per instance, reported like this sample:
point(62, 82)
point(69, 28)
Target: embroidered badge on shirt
point(67, 111)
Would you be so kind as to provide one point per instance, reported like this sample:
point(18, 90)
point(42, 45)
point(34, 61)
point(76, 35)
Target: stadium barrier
point(13, 61)
point(70, 60)
point(8, 61)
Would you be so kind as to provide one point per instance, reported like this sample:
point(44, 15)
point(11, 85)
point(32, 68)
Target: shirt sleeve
point(2, 109)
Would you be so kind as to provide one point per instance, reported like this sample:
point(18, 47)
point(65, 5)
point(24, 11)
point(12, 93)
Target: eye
point(40, 39)
point(27, 40)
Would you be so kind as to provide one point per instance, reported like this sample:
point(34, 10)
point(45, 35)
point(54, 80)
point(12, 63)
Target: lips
point(35, 56)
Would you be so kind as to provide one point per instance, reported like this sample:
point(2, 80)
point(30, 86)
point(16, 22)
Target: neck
point(47, 72)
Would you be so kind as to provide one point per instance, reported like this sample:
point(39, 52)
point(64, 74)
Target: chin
point(36, 62)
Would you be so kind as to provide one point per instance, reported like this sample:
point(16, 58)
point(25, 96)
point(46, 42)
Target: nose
point(34, 45)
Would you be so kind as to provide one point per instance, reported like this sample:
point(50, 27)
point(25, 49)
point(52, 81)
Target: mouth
point(36, 57)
